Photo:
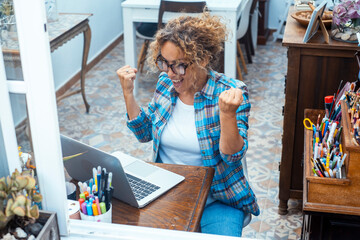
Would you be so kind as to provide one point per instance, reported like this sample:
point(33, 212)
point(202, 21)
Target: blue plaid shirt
point(229, 184)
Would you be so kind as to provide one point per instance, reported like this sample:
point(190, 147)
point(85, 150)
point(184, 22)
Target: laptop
point(135, 182)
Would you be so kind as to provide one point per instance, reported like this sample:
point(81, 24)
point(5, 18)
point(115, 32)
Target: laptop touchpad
point(140, 168)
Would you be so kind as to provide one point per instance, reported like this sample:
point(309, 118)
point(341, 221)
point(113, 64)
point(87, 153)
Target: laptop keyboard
point(140, 187)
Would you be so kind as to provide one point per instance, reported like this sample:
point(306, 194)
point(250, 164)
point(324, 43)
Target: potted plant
point(346, 21)
point(7, 17)
point(19, 213)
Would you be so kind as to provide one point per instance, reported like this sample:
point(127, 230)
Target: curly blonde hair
point(199, 38)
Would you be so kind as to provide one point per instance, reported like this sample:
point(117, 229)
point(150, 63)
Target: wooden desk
point(180, 208)
point(68, 26)
point(315, 70)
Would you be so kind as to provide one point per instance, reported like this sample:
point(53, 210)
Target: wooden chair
point(253, 25)
point(168, 6)
point(145, 31)
point(246, 33)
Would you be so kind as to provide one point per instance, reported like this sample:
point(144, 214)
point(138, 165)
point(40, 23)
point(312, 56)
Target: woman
point(197, 116)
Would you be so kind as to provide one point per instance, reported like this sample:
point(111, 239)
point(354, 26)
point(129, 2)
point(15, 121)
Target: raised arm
point(231, 141)
point(127, 77)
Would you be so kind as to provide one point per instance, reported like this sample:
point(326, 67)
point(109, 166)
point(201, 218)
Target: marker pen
point(93, 189)
point(82, 195)
point(319, 172)
point(337, 173)
point(106, 181)
point(97, 204)
point(328, 101)
point(98, 183)
point(80, 187)
point(326, 126)
point(102, 181)
point(86, 193)
point(95, 209)
point(109, 180)
point(102, 207)
point(327, 160)
point(334, 163)
point(321, 126)
point(321, 166)
point(95, 178)
point(342, 161)
point(81, 201)
point(83, 208)
point(331, 134)
point(84, 185)
point(316, 150)
point(90, 184)
point(89, 209)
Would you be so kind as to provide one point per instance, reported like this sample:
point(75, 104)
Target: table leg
point(230, 47)
point(130, 43)
point(283, 207)
point(87, 39)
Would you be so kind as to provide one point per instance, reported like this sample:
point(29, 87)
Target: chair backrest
point(244, 19)
point(253, 6)
point(178, 6)
point(254, 13)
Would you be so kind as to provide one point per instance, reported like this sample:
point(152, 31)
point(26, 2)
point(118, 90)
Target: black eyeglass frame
point(172, 66)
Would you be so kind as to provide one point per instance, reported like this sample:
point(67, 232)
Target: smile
point(176, 81)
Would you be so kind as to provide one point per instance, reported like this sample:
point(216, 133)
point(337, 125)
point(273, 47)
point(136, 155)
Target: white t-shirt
point(178, 141)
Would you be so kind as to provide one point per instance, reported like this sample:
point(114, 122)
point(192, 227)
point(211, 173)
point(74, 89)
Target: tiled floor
point(104, 127)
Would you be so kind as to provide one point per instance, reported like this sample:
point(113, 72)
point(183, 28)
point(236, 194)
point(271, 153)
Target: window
point(36, 84)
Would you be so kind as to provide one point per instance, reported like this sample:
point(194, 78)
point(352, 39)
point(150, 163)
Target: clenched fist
point(127, 76)
point(230, 100)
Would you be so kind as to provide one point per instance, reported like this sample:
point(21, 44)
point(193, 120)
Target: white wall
point(276, 10)
point(106, 25)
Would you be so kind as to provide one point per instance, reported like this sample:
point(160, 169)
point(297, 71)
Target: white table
point(68, 26)
point(148, 10)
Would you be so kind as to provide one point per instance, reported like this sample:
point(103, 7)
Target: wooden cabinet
point(315, 70)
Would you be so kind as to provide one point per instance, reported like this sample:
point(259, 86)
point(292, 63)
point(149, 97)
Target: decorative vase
point(346, 21)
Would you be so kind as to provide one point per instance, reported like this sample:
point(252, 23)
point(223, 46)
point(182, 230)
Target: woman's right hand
point(127, 76)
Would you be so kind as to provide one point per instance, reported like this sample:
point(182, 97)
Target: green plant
point(6, 7)
point(17, 195)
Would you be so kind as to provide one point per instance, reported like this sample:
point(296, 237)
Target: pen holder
point(73, 209)
point(106, 217)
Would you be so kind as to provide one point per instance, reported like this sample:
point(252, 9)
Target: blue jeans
point(221, 219)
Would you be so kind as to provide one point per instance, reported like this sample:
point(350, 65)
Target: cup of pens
point(95, 197)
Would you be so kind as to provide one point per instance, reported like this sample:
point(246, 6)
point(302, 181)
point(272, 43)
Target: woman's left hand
point(230, 100)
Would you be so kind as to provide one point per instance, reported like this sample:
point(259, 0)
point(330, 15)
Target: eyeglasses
point(177, 68)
